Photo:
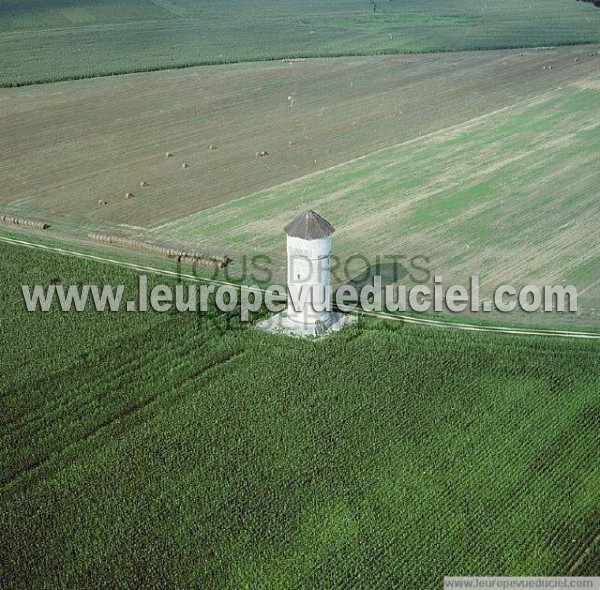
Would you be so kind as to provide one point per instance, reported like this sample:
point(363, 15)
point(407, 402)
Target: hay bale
point(102, 202)
point(195, 257)
point(143, 184)
point(128, 195)
point(28, 223)
point(184, 166)
point(212, 147)
point(168, 155)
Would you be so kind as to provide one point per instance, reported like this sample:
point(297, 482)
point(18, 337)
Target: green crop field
point(30, 15)
point(177, 450)
point(66, 39)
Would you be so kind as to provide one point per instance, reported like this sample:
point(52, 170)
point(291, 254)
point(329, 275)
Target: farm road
point(381, 315)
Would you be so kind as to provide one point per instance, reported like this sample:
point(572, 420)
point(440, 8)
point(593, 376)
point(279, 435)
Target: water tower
point(309, 241)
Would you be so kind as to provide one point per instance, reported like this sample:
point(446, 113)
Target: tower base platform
point(281, 324)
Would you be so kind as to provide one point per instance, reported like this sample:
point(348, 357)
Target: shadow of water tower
point(389, 272)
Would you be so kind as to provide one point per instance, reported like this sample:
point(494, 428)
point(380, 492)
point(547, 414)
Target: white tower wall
point(309, 274)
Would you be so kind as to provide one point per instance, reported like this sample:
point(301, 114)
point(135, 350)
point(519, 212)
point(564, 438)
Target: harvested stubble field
point(482, 161)
point(511, 196)
point(66, 39)
point(174, 450)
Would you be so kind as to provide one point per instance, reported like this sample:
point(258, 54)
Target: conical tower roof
point(309, 226)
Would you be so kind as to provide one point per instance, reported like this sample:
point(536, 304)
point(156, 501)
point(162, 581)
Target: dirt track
point(381, 315)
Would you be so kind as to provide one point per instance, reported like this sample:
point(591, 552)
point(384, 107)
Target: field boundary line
point(584, 554)
point(299, 179)
point(381, 315)
point(475, 328)
point(589, 287)
point(122, 263)
point(170, 7)
point(92, 28)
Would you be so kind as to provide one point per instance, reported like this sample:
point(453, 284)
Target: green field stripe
point(103, 423)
